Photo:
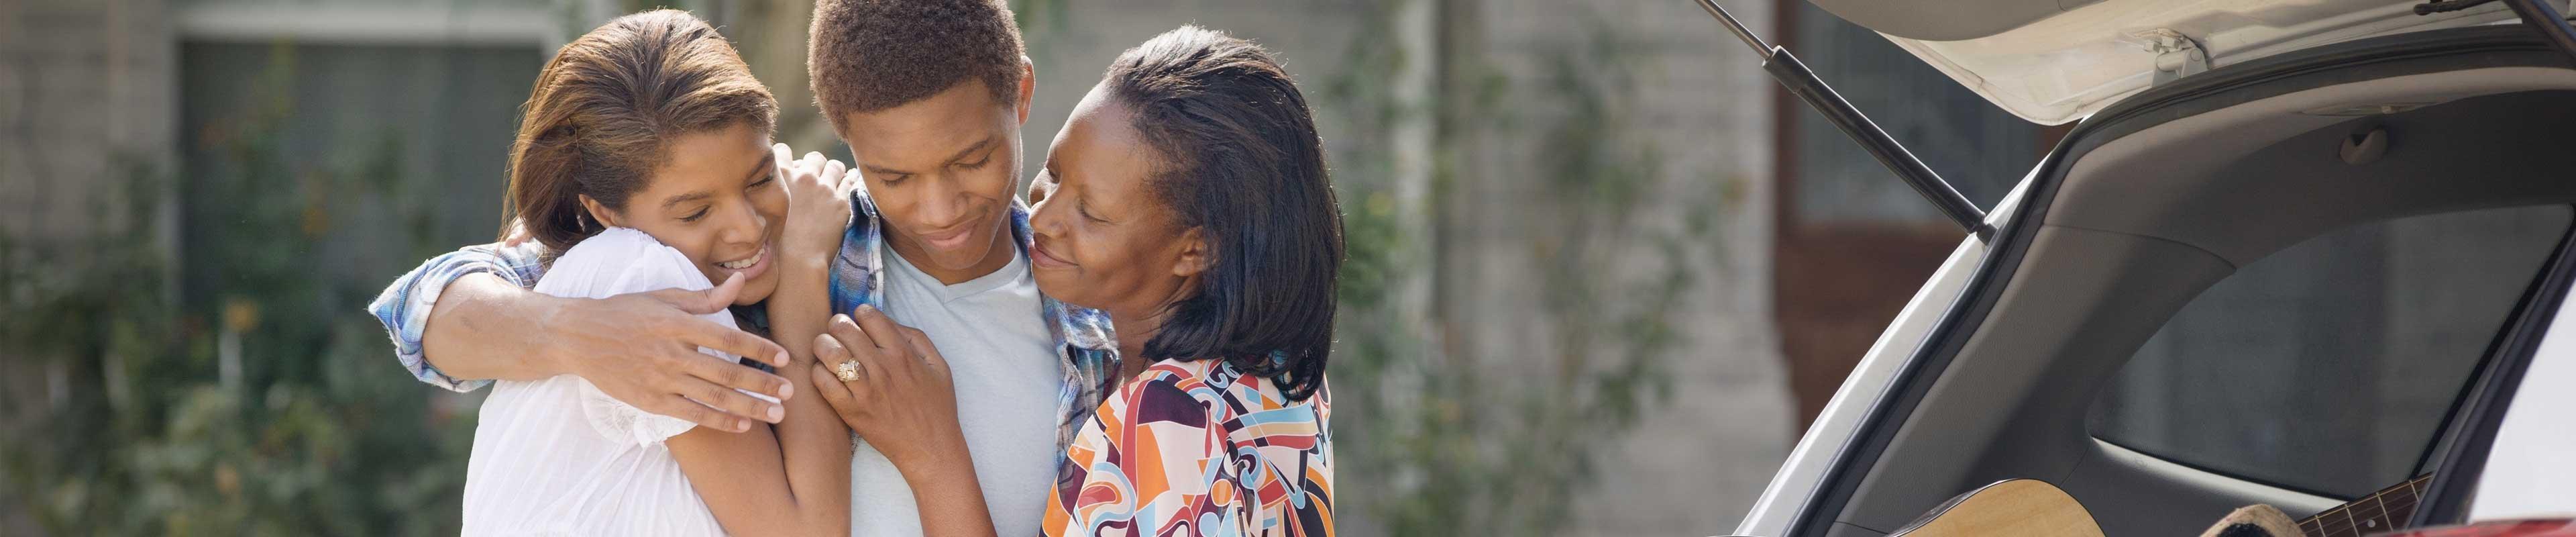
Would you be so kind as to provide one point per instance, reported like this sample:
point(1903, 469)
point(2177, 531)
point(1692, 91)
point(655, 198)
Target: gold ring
point(848, 371)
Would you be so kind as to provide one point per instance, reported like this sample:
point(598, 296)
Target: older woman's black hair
point(1240, 160)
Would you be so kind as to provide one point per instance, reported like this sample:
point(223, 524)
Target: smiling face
point(715, 199)
point(941, 171)
point(1104, 241)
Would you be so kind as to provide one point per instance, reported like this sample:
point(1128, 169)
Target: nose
point(743, 223)
point(943, 203)
point(1043, 219)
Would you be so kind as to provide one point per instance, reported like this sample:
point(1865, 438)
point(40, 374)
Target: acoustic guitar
point(2018, 507)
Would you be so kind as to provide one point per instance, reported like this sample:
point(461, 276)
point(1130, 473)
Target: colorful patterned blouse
point(1197, 448)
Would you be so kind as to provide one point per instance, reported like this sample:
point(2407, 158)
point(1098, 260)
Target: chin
point(968, 255)
point(756, 290)
point(1062, 284)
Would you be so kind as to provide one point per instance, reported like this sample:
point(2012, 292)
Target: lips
point(945, 240)
point(749, 266)
point(746, 261)
point(1042, 256)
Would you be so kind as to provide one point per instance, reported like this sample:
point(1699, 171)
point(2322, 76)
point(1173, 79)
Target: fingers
point(518, 234)
point(829, 353)
point(812, 163)
point(702, 302)
point(734, 377)
point(833, 170)
point(683, 408)
point(696, 332)
point(851, 336)
point(878, 326)
point(731, 402)
point(834, 393)
point(722, 296)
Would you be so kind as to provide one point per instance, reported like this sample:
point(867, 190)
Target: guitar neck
point(2381, 511)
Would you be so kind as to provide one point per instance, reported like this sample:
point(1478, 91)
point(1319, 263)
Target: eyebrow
point(980, 145)
point(756, 170)
point(766, 160)
point(685, 198)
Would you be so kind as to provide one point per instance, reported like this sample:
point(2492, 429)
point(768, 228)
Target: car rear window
point(2328, 367)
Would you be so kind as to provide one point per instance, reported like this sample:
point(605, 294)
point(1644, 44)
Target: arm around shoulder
point(408, 308)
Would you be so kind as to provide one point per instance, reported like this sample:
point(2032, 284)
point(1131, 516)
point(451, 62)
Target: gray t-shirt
point(1002, 358)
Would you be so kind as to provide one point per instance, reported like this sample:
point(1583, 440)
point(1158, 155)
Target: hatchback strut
point(1794, 75)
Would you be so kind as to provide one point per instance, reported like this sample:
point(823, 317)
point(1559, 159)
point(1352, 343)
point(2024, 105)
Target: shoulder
point(617, 261)
point(1165, 393)
point(863, 209)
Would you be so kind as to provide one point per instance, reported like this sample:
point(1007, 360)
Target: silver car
point(2312, 254)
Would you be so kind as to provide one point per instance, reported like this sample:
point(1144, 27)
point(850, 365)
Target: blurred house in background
point(1603, 271)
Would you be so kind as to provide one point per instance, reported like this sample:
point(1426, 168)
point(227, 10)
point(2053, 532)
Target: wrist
point(551, 351)
point(807, 260)
point(942, 460)
point(811, 240)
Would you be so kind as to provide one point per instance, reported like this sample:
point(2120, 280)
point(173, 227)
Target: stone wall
point(1701, 102)
point(87, 91)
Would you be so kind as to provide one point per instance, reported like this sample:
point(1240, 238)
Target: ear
point(1028, 86)
point(1195, 255)
point(598, 213)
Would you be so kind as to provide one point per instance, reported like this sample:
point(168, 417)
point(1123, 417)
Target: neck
point(996, 255)
point(1134, 329)
point(2391, 507)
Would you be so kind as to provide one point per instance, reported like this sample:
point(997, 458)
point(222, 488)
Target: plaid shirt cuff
point(404, 307)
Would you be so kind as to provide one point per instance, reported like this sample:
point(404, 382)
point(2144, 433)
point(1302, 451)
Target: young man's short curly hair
point(870, 55)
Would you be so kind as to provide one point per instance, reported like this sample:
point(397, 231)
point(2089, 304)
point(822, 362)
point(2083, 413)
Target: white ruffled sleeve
point(616, 262)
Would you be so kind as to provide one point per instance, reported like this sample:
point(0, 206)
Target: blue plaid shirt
point(1086, 347)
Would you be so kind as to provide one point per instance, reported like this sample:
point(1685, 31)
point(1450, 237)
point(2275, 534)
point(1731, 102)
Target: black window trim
point(2464, 452)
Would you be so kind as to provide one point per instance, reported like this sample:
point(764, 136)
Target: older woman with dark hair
point(1186, 198)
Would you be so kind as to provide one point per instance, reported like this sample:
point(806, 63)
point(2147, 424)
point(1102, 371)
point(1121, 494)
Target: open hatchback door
point(2057, 61)
point(2295, 253)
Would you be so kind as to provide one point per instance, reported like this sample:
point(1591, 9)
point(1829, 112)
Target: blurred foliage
point(1438, 444)
point(255, 403)
point(1039, 20)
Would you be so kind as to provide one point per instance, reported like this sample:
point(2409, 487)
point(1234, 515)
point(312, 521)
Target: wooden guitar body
point(2007, 508)
point(2019, 507)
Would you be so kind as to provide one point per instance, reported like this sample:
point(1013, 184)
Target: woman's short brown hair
point(606, 108)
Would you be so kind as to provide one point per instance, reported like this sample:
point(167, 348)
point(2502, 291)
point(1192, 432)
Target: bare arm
point(798, 481)
point(482, 329)
point(792, 478)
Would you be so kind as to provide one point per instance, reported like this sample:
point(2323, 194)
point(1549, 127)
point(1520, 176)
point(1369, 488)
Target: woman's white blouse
point(558, 456)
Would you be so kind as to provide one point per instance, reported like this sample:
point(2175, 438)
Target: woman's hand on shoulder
point(897, 394)
point(818, 204)
point(642, 348)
